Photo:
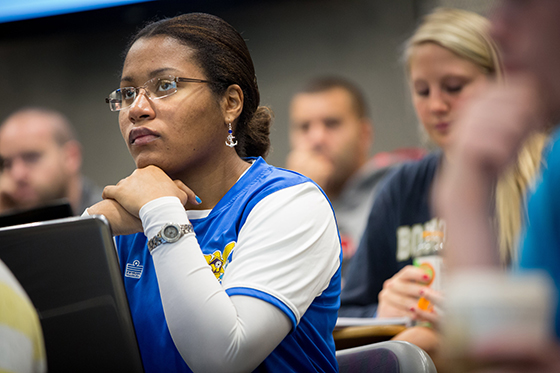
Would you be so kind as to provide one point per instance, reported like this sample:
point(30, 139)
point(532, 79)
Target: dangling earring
point(230, 138)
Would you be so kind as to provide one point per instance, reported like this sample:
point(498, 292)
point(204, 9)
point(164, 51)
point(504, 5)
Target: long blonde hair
point(466, 34)
point(511, 189)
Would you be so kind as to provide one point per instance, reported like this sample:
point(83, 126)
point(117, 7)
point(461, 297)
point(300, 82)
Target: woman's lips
point(442, 127)
point(142, 136)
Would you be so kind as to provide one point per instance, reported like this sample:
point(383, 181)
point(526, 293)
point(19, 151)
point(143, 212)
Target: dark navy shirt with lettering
point(398, 217)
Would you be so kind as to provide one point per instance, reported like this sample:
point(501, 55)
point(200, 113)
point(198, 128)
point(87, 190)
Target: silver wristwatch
point(170, 232)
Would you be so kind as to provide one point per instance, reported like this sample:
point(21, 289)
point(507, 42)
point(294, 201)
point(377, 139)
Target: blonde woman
point(449, 60)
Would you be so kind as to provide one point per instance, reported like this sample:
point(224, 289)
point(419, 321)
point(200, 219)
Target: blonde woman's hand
point(145, 185)
point(401, 292)
point(430, 315)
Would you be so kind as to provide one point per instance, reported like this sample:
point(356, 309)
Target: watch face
point(170, 232)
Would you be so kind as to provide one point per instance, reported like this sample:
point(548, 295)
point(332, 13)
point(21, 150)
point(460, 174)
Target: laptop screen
point(70, 270)
point(55, 210)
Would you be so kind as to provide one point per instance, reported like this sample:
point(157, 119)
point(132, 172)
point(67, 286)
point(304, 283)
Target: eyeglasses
point(155, 88)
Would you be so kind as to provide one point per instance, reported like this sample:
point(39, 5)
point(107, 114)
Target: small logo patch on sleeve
point(134, 270)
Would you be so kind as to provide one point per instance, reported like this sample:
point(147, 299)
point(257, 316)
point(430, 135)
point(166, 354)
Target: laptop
point(57, 209)
point(70, 270)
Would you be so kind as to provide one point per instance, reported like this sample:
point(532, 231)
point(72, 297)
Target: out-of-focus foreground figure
point(22, 349)
point(489, 135)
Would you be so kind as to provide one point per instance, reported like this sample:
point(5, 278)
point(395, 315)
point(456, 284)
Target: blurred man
point(41, 161)
point(331, 136)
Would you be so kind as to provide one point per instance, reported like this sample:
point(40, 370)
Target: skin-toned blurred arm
point(487, 137)
point(489, 134)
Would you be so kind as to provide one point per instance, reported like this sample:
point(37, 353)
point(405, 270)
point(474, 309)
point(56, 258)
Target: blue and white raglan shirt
point(273, 237)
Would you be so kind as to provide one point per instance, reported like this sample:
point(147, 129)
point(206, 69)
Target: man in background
point(331, 137)
point(40, 161)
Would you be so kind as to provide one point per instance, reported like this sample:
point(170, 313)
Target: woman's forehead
point(149, 55)
point(431, 57)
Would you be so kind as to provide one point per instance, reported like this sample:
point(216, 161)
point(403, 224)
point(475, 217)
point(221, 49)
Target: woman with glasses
point(229, 264)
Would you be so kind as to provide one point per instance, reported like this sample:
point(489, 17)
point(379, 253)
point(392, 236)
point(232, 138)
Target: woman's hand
point(121, 221)
point(401, 292)
point(144, 185)
point(430, 315)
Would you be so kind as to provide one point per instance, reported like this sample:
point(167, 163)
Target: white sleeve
point(288, 248)
point(240, 331)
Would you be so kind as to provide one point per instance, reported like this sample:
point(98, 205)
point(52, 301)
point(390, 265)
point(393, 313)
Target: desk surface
point(353, 336)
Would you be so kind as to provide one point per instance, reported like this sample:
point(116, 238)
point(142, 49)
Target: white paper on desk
point(343, 322)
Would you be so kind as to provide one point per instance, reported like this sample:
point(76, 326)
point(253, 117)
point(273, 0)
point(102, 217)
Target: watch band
point(170, 232)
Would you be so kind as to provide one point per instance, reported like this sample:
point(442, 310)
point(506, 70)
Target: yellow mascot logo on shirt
point(218, 261)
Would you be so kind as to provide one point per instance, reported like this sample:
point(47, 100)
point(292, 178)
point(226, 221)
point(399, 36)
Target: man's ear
point(232, 103)
point(367, 135)
point(73, 154)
